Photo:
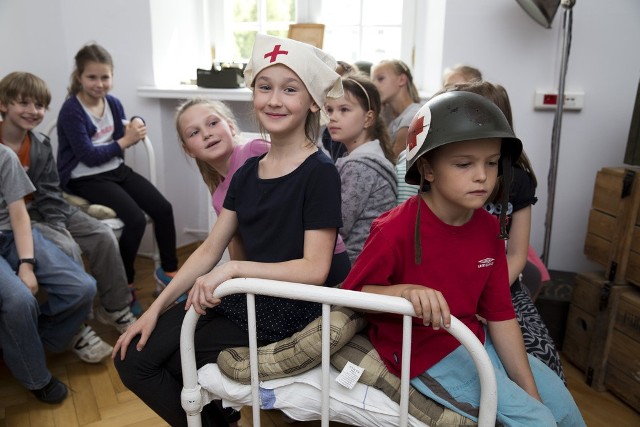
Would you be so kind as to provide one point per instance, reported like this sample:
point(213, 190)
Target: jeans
point(86, 235)
point(26, 328)
point(455, 379)
point(130, 195)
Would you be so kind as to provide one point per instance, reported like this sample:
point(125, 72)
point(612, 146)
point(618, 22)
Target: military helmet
point(457, 116)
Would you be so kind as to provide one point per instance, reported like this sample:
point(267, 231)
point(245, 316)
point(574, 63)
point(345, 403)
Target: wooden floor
point(98, 398)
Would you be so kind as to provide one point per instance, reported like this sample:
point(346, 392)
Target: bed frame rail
point(192, 395)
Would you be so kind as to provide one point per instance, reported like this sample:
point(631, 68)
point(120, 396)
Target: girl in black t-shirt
point(285, 205)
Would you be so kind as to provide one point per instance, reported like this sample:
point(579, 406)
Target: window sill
point(190, 91)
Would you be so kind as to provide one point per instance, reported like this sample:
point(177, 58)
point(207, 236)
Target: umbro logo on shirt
point(487, 262)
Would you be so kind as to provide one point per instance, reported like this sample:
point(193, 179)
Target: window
point(363, 30)
point(373, 28)
point(355, 30)
point(260, 16)
point(240, 20)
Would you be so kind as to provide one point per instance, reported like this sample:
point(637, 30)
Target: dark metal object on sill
point(221, 76)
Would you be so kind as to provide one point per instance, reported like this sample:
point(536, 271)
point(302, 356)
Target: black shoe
point(54, 392)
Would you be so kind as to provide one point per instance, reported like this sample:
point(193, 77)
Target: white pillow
point(299, 397)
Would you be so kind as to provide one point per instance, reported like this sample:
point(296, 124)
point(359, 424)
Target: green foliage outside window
point(245, 10)
point(277, 17)
point(281, 10)
point(244, 42)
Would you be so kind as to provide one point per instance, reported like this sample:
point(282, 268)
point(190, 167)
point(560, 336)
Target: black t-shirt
point(334, 148)
point(273, 215)
point(522, 194)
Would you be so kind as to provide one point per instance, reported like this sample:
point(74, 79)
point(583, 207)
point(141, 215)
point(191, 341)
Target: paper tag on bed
point(350, 375)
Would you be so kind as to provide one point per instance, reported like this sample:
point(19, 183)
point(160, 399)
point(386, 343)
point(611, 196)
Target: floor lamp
point(543, 12)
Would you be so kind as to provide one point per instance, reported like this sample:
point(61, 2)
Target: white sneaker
point(120, 320)
point(89, 347)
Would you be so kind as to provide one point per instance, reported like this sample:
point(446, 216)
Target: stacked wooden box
point(590, 323)
point(603, 327)
point(622, 375)
point(613, 234)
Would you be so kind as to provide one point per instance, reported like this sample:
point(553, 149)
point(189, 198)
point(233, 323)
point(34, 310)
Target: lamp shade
point(542, 11)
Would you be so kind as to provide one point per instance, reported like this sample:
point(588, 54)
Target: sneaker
point(54, 392)
point(120, 319)
point(89, 347)
point(135, 306)
point(162, 280)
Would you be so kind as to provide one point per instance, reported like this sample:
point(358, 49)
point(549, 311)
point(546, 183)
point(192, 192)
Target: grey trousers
point(85, 235)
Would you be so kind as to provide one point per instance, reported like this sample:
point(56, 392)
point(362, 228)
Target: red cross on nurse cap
point(315, 67)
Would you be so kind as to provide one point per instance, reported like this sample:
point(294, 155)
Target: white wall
point(42, 37)
point(497, 36)
point(510, 48)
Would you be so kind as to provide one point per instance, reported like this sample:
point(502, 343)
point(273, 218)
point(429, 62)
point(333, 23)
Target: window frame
point(221, 36)
point(422, 33)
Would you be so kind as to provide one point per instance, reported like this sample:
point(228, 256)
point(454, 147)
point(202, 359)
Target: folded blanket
point(296, 354)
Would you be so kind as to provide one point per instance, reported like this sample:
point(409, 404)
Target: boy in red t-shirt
point(440, 251)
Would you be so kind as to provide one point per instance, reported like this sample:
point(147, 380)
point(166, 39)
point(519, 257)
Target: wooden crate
point(623, 362)
point(590, 324)
point(601, 228)
point(584, 307)
point(614, 220)
point(633, 268)
point(578, 336)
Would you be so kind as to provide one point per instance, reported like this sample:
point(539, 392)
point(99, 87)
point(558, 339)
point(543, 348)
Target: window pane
point(374, 36)
point(265, 16)
point(381, 12)
point(334, 43)
point(281, 10)
point(377, 43)
point(245, 10)
point(341, 12)
point(278, 33)
point(244, 43)
point(380, 43)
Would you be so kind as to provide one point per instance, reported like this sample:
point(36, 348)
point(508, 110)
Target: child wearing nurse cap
point(284, 204)
point(314, 67)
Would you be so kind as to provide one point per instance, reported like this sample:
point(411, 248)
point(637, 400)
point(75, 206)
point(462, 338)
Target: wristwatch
point(31, 261)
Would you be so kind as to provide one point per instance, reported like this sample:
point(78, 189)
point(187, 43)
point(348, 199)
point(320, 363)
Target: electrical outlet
point(548, 100)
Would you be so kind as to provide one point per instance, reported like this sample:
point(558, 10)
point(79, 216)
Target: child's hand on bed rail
point(429, 304)
point(201, 294)
point(144, 326)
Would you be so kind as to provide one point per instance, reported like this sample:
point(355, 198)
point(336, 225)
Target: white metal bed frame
point(192, 394)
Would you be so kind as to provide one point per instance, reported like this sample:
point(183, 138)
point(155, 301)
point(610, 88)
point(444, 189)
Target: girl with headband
point(367, 172)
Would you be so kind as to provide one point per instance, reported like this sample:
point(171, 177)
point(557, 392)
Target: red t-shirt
point(466, 263)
